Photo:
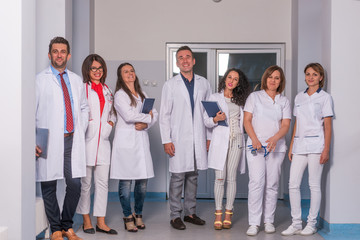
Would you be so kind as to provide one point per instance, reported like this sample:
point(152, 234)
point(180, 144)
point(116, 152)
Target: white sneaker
point(308, 230)
point(269, 228)
point(291, 231)
point(252, 230)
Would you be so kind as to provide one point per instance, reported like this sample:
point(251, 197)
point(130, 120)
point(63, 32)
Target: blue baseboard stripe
point(150, 197)
point(329, 231)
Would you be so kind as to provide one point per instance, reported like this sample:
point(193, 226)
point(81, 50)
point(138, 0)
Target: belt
point(68, 134)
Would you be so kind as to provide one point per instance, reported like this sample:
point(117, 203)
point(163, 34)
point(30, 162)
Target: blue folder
point(211, 109)
point(42, 140)
point(147, 105)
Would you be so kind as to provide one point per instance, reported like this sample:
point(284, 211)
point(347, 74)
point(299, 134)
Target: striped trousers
point(228, 173)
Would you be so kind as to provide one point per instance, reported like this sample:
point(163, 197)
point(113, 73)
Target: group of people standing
point(80, 115)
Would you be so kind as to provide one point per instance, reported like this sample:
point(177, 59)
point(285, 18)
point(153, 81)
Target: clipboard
point(42, 141)
point(148, 105)
point(211, 108)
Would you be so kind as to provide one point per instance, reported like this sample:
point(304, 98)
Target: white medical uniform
point(98, 152)
point(264, 172)
point(131, 157)
point(308, 145)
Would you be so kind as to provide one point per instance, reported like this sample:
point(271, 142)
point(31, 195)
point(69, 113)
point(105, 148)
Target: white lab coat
point(131, 157)
point(177, 125)
point(50, 115)
point(220, 136)
point(98, 149)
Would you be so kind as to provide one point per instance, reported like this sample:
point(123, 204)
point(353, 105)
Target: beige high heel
point(138, 221)
point(129, 224)
point(218, 225)
point(227, 224)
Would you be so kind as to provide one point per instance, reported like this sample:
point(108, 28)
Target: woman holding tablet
point(227, 142)
point(131, 157)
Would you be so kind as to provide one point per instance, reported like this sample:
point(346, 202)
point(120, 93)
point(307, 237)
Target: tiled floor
point(156, 218)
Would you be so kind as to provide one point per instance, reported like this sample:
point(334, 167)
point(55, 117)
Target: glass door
point(211, 61)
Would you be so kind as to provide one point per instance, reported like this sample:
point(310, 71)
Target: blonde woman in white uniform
point(227, 145)
point(131, 157)
point(310, 146)
point(267, 117)
point(98, 149)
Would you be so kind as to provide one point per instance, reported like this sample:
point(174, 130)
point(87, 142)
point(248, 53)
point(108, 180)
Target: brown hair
point(59, 40)
point(182, 48)
point(319, 69)
point(86, 67)
point(268, 72)
point(120, 84)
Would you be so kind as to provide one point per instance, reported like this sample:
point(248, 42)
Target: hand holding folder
point(147, 105)
point(212, 108)
point(42, 139)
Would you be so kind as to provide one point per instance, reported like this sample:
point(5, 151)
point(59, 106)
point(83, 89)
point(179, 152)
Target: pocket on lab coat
point(314, 144)
point(106, 130)
point(91, 130)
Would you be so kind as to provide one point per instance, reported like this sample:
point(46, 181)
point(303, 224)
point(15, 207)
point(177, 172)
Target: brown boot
point(56, 236)
point(70, 234)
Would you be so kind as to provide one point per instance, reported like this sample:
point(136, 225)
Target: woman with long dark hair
point(98, 150)
point(227, 144)
point(131, 157)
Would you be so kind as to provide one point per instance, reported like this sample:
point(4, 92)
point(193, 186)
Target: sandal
point(138, 221)
point(227, 223)
point(129, 224)
point(218, 225)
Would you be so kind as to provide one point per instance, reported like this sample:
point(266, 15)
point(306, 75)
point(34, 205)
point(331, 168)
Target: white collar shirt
point(267, 115)
point(310, 112)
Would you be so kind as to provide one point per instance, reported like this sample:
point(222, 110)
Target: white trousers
point(264, 175)
point(228, 173)
point(101, 180)
point(298, 166)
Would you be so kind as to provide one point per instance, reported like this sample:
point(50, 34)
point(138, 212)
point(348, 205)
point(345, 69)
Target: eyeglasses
point(254, 150)
point(94, 69)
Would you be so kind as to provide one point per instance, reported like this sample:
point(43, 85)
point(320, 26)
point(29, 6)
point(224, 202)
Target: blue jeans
point(139, 195)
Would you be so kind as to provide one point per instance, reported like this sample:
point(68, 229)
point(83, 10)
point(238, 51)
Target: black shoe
point(111, 231)
point(194, 220)
point(177, 224)
point(89, 230)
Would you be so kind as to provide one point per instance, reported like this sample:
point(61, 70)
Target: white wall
point(53, 18)
point(17, 100)
point(345, 71)
point(137, 31)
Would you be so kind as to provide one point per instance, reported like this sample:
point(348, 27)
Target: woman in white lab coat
point(267, 116)
point(98, 149)
point(227, 145)
point(131, 157)
point(310, 146)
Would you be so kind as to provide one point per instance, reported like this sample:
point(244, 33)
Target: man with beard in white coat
point(183, 135)
point(61, 107)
